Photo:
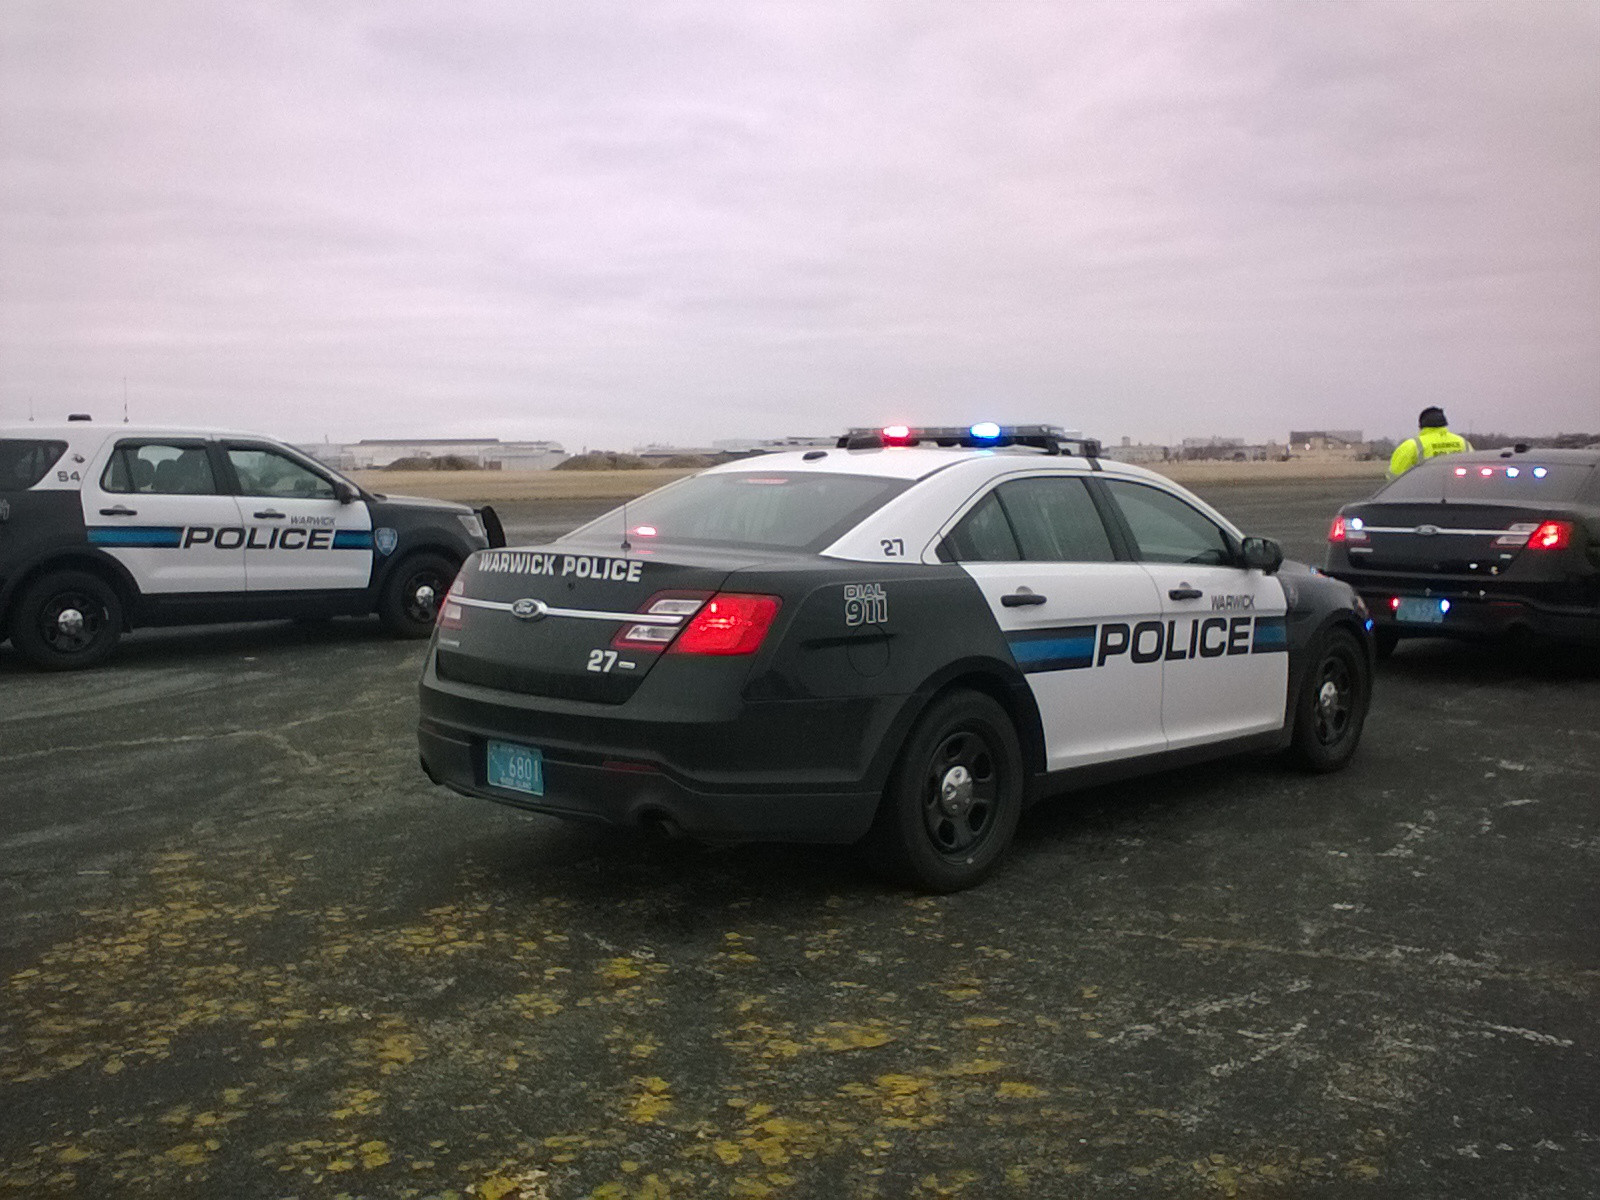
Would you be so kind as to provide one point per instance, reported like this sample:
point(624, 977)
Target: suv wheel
point(66, 620)
point(952, 803)
point(413, 593)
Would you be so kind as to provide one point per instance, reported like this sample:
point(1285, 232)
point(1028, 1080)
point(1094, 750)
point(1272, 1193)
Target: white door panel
point(182, 538)
point(1097, 686)
point(301, 538)
point(1226, 662)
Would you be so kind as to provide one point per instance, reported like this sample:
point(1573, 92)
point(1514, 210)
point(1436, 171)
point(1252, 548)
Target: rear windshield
point(24, 463)
point(762, 508)
point(1526, 479)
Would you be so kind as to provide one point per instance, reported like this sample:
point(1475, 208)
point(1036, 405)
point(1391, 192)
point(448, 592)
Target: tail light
point(656, 635)
point(1552, 535)
point(1352, 530)
point(730, 623)
point(449, 614)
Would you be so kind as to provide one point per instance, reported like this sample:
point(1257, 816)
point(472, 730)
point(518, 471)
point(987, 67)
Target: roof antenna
point(124, 399)
point(30, 410)
point(626, 544)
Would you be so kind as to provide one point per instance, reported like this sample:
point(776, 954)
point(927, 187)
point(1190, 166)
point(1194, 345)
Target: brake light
point(656, 635)
point(1552, 535)
point(1352, 530)
point(730, 623)
point(449, 614)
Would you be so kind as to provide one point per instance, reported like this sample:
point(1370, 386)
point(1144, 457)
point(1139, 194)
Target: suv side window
point(984, 535)
point(1055, 520)
point(1165, 529)
point(159, 469)
point(268, 473)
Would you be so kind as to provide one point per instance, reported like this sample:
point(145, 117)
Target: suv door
point(1225, 661)
point(302, 537)
point(1071, 613)
point(155, 505)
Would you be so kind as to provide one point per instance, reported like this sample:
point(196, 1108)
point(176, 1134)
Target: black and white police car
point(905, 639)
point(108, 527)
point(1489, 543)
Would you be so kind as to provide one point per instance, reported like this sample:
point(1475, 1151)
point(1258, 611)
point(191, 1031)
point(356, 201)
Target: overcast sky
point(608, 224)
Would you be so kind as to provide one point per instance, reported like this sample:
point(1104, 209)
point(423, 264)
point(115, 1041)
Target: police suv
point(905, 639)
point(108, 527)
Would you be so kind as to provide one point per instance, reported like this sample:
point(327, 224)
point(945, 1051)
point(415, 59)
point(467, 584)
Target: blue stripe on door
point(1064, 648)
point(352, 539)
point(1271, 636)
point(136, 535)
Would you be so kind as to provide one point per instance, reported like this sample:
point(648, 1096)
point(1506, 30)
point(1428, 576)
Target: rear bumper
point(1476, 612)
point(796, 771)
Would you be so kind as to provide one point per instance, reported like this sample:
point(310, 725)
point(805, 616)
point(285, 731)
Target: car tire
point(1386, 640)
point(1333, 702)
point(66, 620)
point(411, 595)
point(952, 802)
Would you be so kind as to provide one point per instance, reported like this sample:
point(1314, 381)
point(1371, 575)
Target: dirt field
point(497, 486)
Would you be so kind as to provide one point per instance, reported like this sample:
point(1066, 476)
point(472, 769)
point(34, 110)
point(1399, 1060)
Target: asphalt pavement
point(248, 951)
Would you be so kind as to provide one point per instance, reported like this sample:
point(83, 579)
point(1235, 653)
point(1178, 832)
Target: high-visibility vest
point(1428, 443)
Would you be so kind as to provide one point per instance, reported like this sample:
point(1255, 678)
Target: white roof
point(918, 462)
point(67, 430)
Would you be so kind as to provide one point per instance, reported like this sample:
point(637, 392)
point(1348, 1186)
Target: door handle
point(1184, 592)
point(270, 514)
point(121, 510)
point(1022, 599)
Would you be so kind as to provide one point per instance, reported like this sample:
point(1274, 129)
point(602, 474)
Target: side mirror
point(344, 493)
point(1262, 554)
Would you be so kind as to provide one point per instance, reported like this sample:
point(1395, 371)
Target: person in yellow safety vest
point(1433, 439)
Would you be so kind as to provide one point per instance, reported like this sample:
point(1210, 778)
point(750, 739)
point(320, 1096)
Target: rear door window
point(160, 469)
point(24, 462)
point(1037, 520)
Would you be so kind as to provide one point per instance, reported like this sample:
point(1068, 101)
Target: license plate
point(1418, 610)
point(515, 768)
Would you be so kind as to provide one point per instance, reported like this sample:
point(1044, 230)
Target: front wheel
point(413, 593)
point(66, 620)
point(1333, 703)
point(952, 803)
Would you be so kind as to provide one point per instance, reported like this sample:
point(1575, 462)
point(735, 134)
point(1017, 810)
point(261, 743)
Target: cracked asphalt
point(246, 950)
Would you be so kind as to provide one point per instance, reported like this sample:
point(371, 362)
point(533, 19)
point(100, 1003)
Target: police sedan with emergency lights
point(108, 527)
point(1481, 544)
point(903, 640)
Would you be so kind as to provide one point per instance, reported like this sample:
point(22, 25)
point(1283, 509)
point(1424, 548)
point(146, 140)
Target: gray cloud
point(614, 223)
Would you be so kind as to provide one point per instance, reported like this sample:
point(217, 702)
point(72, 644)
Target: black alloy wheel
point(412, 596)
point(952, 802)
point(66, 620)
point(1333, 703)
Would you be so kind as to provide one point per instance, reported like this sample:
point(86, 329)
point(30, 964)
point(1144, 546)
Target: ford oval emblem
point(1427, 530)
point(528, 610)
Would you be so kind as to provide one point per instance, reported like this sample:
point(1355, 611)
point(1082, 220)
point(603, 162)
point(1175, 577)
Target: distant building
point(489, 454)
point(1137, 452)
point(771, 445)
point(1327, 444)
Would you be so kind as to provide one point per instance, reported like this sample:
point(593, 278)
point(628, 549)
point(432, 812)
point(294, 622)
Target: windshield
point(23, 463)
point(1525, 480)
point(760, 508)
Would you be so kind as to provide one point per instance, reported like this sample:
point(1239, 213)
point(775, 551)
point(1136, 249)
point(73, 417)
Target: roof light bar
point(1052, 439)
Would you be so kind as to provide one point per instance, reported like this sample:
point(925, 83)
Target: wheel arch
point(1000, 681)
point(76, 558)
point(392, 565)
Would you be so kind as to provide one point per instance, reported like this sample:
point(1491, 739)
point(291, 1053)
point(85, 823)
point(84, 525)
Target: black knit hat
point(1431, 417)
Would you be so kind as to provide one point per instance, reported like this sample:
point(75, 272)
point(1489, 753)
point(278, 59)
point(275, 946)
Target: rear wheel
point(1333, 704)
point(952, 804)
point(412, 595)
point(66, 620)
